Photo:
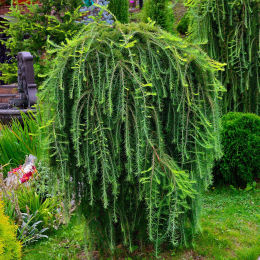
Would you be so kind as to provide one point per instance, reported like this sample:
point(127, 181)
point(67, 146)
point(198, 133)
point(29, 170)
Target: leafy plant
point(43, 209)
point(159, 11)
point(27, 199)
point(30, 30)
point(9, 71)
point(134, 131)
point(10, 247)
point(33, 212)
point(120, 10)
point(30, 231)
point(66, 243)
point(240, 163)
point(18, 140)
point(229, 31)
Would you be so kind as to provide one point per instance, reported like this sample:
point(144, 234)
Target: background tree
point(159, 11)
point(229, 31)
point(30, 30)
point(120, 9)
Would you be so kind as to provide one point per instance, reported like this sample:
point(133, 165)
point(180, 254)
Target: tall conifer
point(160, 12)
point(229, 31)
point(120, 9)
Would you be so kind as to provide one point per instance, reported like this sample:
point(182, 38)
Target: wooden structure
point(21, 96)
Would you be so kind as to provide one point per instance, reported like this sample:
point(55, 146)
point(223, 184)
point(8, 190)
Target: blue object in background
point(88, 2)
point(92, 10)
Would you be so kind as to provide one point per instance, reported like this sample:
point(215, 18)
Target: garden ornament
point(88, 2)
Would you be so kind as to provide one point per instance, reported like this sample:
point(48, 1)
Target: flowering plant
point(21, 174)
point(24, 174)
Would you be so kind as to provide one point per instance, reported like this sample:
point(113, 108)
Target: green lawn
point(230, 223)
point(230, 230)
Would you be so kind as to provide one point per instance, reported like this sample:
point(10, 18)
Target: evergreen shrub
point(159, 11)
point(183, 25)
point(229, 31)
point(134, 131)
point(120, 9)
point(10, 248)
point(240, 163)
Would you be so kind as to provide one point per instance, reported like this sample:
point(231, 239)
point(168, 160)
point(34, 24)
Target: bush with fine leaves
point(240, 163)
point(10, 247)
point(134, 131)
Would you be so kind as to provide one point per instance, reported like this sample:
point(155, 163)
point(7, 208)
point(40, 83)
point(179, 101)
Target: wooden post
point(141, 3)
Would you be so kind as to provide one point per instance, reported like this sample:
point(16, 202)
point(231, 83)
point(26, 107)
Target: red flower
point(15, 170)
point(26, 177)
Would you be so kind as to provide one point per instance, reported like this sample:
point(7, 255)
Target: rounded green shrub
point(134, 131)
point(240, 163)
point(10, 248)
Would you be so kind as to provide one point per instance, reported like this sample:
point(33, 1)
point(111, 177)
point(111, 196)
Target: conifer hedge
point(159, 11)
point(240, 138)
point(120, 9)
point(230, 31)
point(134, 132)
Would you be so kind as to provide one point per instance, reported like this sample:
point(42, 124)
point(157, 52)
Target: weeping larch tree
point(229, 30)
point(133, 120)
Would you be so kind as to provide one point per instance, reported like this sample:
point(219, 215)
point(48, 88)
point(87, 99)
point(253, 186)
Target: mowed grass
point(230, 225)
point(230, 230)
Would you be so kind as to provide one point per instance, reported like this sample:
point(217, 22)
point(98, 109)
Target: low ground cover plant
point(240, 163)
point(28, 203)
point(10, 247)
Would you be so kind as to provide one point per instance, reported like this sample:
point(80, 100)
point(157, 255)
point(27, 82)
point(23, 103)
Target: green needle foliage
point(230, 31)
point(135, 130)
point(120, 9)
point(159, 11)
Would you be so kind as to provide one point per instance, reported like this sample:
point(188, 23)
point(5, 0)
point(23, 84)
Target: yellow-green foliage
point(10, 248)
